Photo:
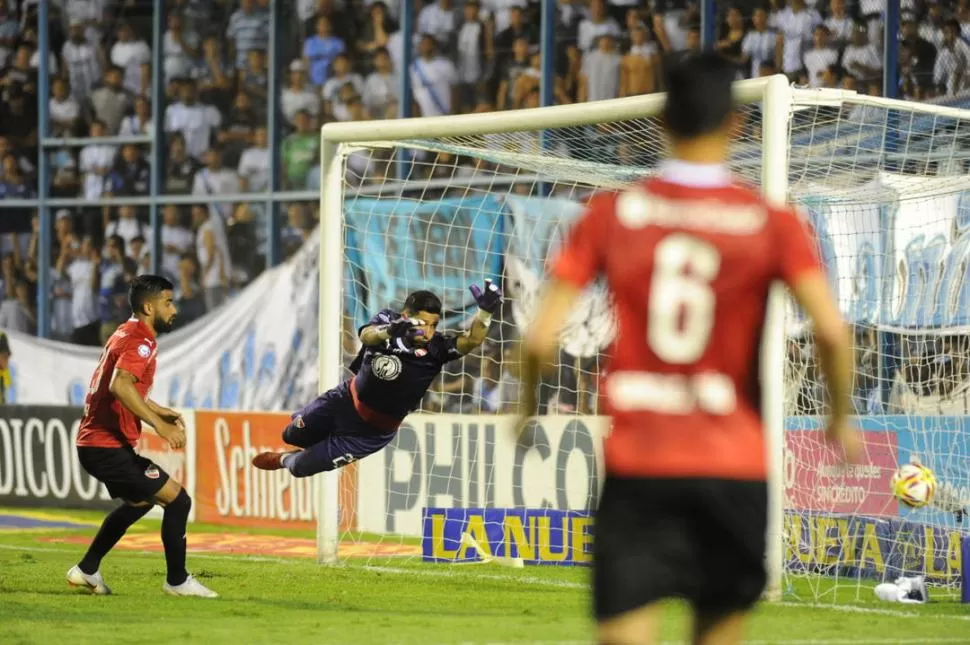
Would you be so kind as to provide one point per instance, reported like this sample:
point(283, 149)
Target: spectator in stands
point(111, 101)
point(796, 23)
point(112, 287)
point(439, 19)
point(599, 23)
point(342, 75)
point(83, 62)
point(253, 167)
point(132, 55)
point(20, 72)
point(213, 75)
point(950, 73)
point(180, 48)
point(216, 180)
point(176, 239)
point(639, 68)
point(298, 230)
point(473, 50)
point(513, 29)
point(131, 174)
point(761, 44)
point(861, 59)
point(17, 309)
point(248, 30)
point(253, 79)
point(189, 297)
point(299, 152)
point(140, 122)
point(733, 32)
point(68, 248)
point(83, 274)
point(180, 167)
point(820, 57)
point(377, 30)
point(194, 120)
point(434, 80)
point(9, 32)
point(297, 95)
point(18, 117)
point(320, 50)
point(65, 181)
point(97, 160)
point(921, 58)
point(514, 67)
point(125, 229)
point(380, 95)
point(212, 249)
point(840, 24)
point(238, 133)
point(931, 29)
point(65, 111)
point(601, 72)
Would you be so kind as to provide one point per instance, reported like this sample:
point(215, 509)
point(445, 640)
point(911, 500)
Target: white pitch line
point(856, 609)
point(529, 580)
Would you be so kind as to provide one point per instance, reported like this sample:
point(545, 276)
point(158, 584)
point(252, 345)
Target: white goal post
point(774, 93)
point(844, 153)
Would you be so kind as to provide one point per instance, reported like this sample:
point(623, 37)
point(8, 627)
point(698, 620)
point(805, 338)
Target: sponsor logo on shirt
point(386, 367)
point(420, 353)
point(152, 472)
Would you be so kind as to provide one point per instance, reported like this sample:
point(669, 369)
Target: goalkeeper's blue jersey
point(391, 379)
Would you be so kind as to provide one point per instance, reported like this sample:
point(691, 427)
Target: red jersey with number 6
point(106, 422)
point(689, 257)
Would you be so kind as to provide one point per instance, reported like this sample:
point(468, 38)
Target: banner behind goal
point(444, 202)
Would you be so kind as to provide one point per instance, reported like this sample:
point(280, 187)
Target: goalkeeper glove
point(489, 299)
point(403, 328)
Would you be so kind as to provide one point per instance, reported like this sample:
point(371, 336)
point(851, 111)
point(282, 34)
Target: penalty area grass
point(292, 600)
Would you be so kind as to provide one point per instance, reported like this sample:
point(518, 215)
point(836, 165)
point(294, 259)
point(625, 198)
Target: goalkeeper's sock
point(115, 525)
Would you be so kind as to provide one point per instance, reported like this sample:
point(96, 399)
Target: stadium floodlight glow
point(491, 194)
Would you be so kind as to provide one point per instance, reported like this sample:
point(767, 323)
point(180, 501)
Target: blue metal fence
point(44, 203)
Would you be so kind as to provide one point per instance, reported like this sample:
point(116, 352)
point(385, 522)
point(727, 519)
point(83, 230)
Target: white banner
point(457, 461)
point(258, 352)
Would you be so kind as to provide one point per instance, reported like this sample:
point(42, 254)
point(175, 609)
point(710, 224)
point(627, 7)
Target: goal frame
point(776, 97)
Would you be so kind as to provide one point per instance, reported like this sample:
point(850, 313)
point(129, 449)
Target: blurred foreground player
point(401, 356)
point(689, 257)
point(116, 404)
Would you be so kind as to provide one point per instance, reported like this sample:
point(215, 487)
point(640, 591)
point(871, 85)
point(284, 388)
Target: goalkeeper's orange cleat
point(270, 460)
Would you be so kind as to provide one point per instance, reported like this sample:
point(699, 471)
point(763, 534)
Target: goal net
point(446, 202)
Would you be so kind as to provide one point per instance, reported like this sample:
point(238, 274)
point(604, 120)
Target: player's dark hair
point(146, 287)
point(699, 98)
point(423, 301)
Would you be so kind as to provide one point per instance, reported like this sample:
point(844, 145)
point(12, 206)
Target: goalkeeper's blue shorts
point(331, 433)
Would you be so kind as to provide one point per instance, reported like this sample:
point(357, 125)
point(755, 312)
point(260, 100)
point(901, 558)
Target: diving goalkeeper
point(401, 356)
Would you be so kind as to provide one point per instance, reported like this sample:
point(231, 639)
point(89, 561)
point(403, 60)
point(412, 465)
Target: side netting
point(443, 203)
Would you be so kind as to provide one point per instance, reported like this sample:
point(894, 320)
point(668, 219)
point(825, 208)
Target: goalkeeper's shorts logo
point(386, 367)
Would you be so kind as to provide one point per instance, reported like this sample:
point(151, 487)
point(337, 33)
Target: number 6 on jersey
point(682, 302)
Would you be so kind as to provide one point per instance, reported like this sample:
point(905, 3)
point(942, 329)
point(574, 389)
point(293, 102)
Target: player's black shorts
point(702, 540)
point(124, 473)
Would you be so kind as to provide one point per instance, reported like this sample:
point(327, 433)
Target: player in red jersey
point(116, 405)
point(689, 257)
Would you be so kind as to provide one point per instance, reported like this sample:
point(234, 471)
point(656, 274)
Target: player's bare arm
point(542, 339)
point(122, 387)
point(167, 414)
point(489, 299)
point(812, 292)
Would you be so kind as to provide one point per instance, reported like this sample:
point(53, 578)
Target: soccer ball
point(914, 485)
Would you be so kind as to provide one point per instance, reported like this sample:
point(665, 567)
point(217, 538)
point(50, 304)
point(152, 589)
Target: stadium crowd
point(341, 62)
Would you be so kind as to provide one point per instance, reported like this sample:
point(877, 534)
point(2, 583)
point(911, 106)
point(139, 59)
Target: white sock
point(284, 458)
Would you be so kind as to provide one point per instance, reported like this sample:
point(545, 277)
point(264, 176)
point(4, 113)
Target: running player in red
point(689, 257)
point(116, 405)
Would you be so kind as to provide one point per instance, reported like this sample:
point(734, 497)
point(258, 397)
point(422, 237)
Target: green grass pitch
point(294, 601)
